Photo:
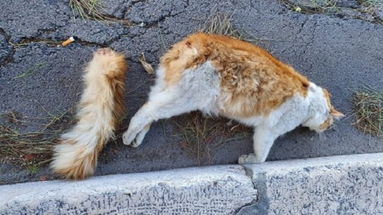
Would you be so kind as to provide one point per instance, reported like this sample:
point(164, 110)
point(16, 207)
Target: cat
point(221, 75)
point(99, 111)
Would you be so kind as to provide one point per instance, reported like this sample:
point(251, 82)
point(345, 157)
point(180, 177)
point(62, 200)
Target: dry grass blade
point(31, 147)
point(200, 135)
point(221, 24)
point(147, 66)
point(31, 71)
point(313, 6)
point(27, 143)
point(368, 109)
point(88, 9)
point(371, 5)
point(334, 7)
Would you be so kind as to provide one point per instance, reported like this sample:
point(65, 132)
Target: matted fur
point(224, 76)
point(100, 108)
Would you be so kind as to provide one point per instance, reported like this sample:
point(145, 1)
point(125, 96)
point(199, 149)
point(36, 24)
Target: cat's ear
point(336, 114)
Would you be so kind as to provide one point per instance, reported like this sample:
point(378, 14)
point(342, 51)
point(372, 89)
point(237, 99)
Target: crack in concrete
point(114, 19)
point(7, 37)
point(244, 210)
point(28, 40)
point(50, 42)
point(9, 58)
point(161, 19)
point(310, 42)
point(260, 205)
point(303, 25)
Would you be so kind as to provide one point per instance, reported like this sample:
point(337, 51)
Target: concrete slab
point(350, 184)
point(210, 190)
point(329, 185)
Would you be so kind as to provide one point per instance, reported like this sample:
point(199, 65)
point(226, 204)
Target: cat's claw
point(248, 159)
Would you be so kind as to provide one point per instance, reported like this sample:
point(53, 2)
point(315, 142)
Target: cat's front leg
point(263, 140)
point(154, 109)
point(165, 104)
point(264, 137)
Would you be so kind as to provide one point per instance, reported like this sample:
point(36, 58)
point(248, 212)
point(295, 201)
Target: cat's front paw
point(247, 159)
point(133, 139)
point(128, 137)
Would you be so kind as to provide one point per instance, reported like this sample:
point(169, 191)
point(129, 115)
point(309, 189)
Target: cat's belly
point(250, 121)
point(294, 110)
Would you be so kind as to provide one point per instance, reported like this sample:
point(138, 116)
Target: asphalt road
point(340, 53)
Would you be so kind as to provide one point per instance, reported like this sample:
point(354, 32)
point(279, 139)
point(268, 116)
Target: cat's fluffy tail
point(101, 107)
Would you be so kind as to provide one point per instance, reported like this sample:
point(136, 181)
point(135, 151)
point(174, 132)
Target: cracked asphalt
point(39, 79)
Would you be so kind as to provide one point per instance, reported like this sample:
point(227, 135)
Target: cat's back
point(251, 79)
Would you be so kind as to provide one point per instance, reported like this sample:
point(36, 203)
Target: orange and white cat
point(220, 75)
point(101, 107)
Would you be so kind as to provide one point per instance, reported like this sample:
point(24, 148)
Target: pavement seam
point(261, 204)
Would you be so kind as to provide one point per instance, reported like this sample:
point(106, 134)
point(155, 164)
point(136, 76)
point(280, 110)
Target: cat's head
point(323, 113)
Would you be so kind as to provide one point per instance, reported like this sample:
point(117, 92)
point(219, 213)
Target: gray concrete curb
point(330, 185)
point(350, 184)
point(206, 190)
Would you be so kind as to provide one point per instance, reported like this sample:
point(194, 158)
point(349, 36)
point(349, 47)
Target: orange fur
point(99, 111)
point(253, 82)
